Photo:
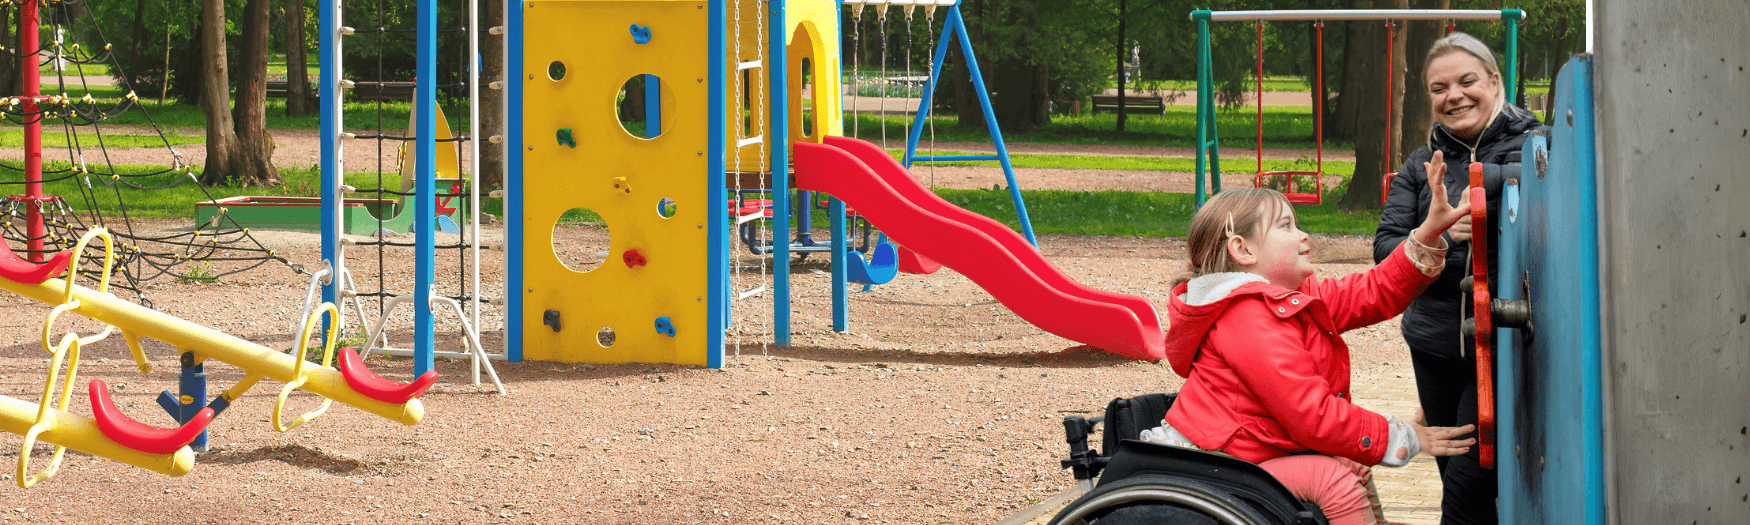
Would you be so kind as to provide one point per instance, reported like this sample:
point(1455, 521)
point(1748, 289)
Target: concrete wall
point(1673, 113)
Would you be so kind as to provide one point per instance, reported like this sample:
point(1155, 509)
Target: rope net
point(385, 99)
point(84, 187)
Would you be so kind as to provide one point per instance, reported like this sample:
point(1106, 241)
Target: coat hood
point(1197, 304)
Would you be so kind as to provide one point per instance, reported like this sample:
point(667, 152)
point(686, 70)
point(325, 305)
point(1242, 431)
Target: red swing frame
point(1318, 195)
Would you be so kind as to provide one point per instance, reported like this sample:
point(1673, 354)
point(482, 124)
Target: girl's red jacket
point(1267, 369)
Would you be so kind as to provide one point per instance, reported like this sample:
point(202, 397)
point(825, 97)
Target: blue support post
point(328, 89)
point(1585, 146)
point(425, 188)
point(955, 27)
point(192, 385)
point(841, 308)
point(778, 142)
point(652, 106)
point(717, 273)
point(514, 240)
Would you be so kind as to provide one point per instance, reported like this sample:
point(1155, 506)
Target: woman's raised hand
point(1440, 214)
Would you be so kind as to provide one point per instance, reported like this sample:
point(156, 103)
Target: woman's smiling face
point(1463, 93)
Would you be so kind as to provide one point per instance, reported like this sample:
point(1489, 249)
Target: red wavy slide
point(989, 253)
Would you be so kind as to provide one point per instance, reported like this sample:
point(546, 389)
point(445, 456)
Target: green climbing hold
point(566, 138)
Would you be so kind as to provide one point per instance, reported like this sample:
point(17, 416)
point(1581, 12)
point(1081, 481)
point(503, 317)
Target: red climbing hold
point(374, 386)
point(632, 258)
point(139, 436)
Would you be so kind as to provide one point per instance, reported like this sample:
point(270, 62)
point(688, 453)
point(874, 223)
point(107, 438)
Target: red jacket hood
point(1196, 305)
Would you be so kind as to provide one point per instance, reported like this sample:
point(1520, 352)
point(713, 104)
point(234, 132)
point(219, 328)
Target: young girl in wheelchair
point(1257, 336)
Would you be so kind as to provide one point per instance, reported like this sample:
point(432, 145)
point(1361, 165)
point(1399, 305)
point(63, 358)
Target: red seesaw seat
point(374, 386)
point(16, 269)
point(140, 436)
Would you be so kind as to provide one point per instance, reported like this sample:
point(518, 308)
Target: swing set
point(1209, 153)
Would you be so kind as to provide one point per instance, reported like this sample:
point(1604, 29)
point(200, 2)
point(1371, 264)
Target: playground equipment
point(982, 249)
point(1209, 151)
point(427, 154)
point(113, 435)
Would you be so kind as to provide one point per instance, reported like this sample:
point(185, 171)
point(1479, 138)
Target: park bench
point(1133, 104)
point(361, 92)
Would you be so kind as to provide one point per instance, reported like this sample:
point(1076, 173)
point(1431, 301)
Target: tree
point(300, 100)
point(11, 76)
point(238, 147)
point(1418, 118)
point(491, 101)
point(1365, 80)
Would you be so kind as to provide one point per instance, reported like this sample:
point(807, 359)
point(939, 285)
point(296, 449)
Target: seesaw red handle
point(364, 381)
point(140, 436)
point(16, 269)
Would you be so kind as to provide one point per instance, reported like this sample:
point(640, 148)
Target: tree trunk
point(300, 100)
point(11, 77)
point(134, 46)
point(1418, 115)
point(190, 71)
point(1359, 38)
point(966, 107)
point(492, 117)
point(215, 88)
point(254, 160)
point(1123, 6)
point(1378, 110)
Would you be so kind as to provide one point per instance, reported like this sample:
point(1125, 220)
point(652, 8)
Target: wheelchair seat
point(1143, 482)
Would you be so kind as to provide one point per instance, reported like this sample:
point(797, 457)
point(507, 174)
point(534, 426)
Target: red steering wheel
point(1481, 314)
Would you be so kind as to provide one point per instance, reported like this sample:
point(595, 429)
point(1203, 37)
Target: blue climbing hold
point(447, 225)
point(664, 326)
point(640, 34)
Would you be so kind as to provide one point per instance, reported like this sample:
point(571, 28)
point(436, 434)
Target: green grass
point(1284, 127)
point(1272, 84)
point(1147, 214)
point(1099, 162)
point(56, 138)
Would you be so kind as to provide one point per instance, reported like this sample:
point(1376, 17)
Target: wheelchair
point(1148, 483)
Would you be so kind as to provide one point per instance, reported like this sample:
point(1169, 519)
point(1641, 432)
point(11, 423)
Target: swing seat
point(377, 387)
point(1295, 197)
point(16, 269)
point(139, 436)
point(882, 267)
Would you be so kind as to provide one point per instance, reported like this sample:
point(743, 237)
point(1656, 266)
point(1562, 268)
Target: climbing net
point(98, 187)
point(389, 180)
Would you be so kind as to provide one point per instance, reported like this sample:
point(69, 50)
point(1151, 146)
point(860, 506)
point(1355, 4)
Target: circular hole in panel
point(665, 208)
point(605, 337)
point(807, 98)
point(637, 102)
point(556, 70)
point(581, 240)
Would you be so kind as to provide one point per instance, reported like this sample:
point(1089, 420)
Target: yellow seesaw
point(159, 449)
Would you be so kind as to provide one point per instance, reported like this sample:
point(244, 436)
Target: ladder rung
point(750, 141)
point(753, 292)
point(751, 64)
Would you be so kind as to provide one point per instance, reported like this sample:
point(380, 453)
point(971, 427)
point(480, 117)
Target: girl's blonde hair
point(1231, 213)
point(1457, 42)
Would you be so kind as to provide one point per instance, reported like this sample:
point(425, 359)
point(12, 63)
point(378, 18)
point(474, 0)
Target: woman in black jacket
point(1473, 122)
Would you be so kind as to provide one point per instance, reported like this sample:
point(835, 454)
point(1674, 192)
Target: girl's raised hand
point(1440, 214)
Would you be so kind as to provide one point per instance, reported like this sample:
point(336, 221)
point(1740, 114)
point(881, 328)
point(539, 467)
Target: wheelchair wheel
point(1158, 499)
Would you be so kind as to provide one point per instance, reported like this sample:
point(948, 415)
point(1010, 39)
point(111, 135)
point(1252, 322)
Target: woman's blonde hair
point(1232, 213)
point(1457, 42)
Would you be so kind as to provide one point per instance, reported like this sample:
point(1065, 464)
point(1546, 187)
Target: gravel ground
point(938, 406)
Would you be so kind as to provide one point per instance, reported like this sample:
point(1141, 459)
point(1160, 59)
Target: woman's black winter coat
point(1431, 323)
